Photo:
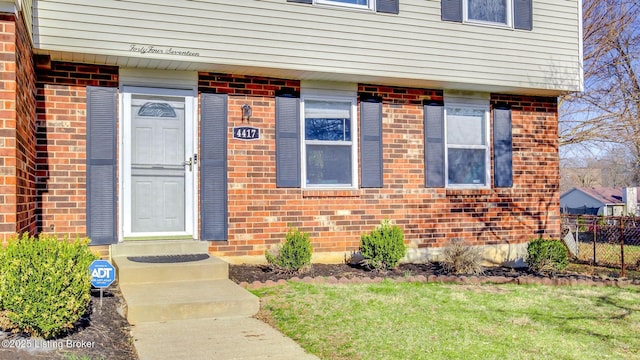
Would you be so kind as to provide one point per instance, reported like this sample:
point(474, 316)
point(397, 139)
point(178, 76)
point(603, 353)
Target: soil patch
point(102, 334)
point(247, 273)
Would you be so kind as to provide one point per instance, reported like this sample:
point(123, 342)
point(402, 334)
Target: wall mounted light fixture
point(246, 112)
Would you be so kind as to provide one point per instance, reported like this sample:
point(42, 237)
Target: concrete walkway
point(207, 339)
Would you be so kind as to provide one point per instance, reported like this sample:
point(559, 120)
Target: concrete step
point(181, 300)
point(131, 272)
point(159, 247)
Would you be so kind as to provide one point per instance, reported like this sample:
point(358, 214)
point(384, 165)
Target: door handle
point(188, 162)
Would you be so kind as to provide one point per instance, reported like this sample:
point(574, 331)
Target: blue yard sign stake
point(103, 274)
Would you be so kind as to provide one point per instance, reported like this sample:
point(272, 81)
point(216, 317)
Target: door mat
point(167, 259)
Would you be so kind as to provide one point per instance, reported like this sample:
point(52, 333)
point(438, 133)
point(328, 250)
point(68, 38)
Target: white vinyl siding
point(26, 6)
point(158, 78)
point(283, 39)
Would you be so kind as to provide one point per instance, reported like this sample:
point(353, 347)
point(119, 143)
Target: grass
point(602, 271)
point(609, 253)
point(393, 320)
point(69, 356)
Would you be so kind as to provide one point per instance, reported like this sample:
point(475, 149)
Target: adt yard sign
point(102, 273)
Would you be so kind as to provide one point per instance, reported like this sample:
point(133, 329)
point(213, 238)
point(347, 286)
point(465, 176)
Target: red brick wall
point(61, 143)
point(26, 132)
point(259, 213)
point(251, 165)
point(17, 128)
point(8, 144)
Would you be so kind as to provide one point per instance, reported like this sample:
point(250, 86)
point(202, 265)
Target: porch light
point(246, 112)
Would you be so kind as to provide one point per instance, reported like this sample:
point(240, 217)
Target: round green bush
point(294, 255)
point(45, 285)
point(547, 255)
point(383, 247)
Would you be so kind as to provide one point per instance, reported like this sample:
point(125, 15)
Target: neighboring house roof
point(609, 196)
point(603, 195)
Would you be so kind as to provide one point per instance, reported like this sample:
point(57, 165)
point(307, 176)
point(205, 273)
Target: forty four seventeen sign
point(246, 133)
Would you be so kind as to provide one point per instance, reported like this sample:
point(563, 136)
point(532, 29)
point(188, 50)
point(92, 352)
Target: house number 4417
point(246, 133)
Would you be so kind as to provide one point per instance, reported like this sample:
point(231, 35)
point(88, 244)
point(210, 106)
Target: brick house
point(227, 122)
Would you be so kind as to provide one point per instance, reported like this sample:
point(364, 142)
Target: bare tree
point(608, 111)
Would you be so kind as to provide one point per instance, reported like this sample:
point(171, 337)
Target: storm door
point(159, 165)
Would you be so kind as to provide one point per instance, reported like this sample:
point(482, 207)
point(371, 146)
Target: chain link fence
point(611, 242)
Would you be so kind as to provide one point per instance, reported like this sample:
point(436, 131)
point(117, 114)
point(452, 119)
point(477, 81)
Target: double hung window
point(489, 11)
point(516, 14)
point(329, 151)
point(362, 4)
point(467, 149)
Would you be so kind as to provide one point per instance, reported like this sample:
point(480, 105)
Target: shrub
point(547, 255)
point(581, 223)
point(294, 255)
point(383, 247)
point(460, 259)
point(45, 285)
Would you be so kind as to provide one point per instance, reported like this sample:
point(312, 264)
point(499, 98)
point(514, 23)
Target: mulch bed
point(103, 333)
point(255, 276)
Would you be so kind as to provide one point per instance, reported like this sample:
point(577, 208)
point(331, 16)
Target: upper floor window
point(490, 11)
point(517, 14)
point(361, 4)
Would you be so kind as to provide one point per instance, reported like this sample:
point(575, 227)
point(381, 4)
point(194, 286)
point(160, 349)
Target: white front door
point(159, 163)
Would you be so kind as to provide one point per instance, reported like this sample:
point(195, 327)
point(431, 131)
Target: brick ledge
point(330, 193)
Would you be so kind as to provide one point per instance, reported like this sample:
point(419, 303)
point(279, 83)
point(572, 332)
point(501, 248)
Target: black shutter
point(451, 10)
point(101, 165)
point(287, 141)
point(523, 14)
point(371, 144)
point(502, 148)
point(213, 166)
point(301, 1)
point(434, 145)
point(388, 6)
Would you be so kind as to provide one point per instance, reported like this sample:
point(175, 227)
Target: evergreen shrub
point(547, 255)
point(383, 247)
point(45, 285)
point(292, 256)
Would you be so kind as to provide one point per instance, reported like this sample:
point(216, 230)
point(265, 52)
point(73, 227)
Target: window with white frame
point(467, 149)
point(329, 150)
point(358, 4)
point(488, 11)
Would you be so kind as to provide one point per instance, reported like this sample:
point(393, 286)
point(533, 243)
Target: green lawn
point(609, 253)
point(441, 321)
